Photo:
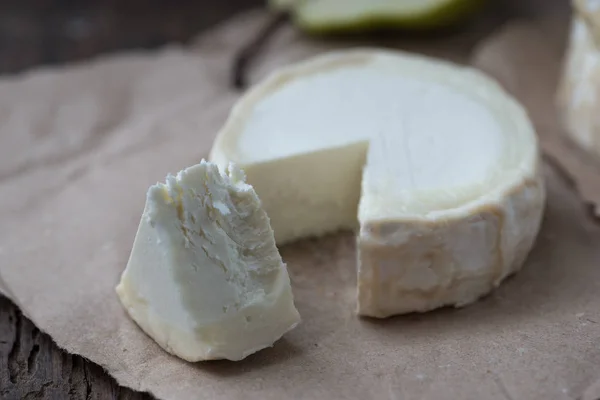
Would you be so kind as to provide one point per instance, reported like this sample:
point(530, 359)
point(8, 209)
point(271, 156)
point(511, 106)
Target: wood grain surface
point(34, 32)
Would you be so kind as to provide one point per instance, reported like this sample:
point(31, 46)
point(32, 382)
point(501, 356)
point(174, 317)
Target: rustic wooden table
point(36, 32)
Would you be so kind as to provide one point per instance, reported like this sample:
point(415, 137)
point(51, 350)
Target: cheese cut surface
point(579, 89)
point(205, 279)
point(434, 163)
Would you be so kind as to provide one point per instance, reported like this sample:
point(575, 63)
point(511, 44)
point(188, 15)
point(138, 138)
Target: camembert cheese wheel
point(435, 164)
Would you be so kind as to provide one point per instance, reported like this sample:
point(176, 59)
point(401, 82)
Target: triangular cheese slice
point(205, 279)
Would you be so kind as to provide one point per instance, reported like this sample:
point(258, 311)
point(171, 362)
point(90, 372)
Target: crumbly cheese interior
point(216, 234)
point(205, 279)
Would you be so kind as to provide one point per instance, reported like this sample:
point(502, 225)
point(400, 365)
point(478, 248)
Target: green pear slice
point(324, 16)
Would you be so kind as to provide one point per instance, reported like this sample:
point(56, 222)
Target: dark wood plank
point(33, 367)
point(36, 32)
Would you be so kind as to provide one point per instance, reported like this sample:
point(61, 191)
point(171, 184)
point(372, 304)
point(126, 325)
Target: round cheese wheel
point(434, 164)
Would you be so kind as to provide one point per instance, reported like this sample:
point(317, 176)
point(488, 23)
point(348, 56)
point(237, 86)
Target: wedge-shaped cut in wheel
point(204, 278)
point(435, 162)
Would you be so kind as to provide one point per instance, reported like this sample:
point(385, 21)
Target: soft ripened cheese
point(204, 278)
point(579, 89)
point(435, 163)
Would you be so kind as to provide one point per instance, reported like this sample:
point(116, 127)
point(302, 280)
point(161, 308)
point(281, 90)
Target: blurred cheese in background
point(579, 88)
point(329, 16)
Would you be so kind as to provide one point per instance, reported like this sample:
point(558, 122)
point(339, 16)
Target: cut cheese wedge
point(205, 279)
point(579, 89)
point(323, 16)
point(435, 164)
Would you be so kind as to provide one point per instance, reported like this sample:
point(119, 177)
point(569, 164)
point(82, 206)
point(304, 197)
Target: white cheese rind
point(417, 265)
point(579, 88)
point(205, 279)
point(417, 249)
